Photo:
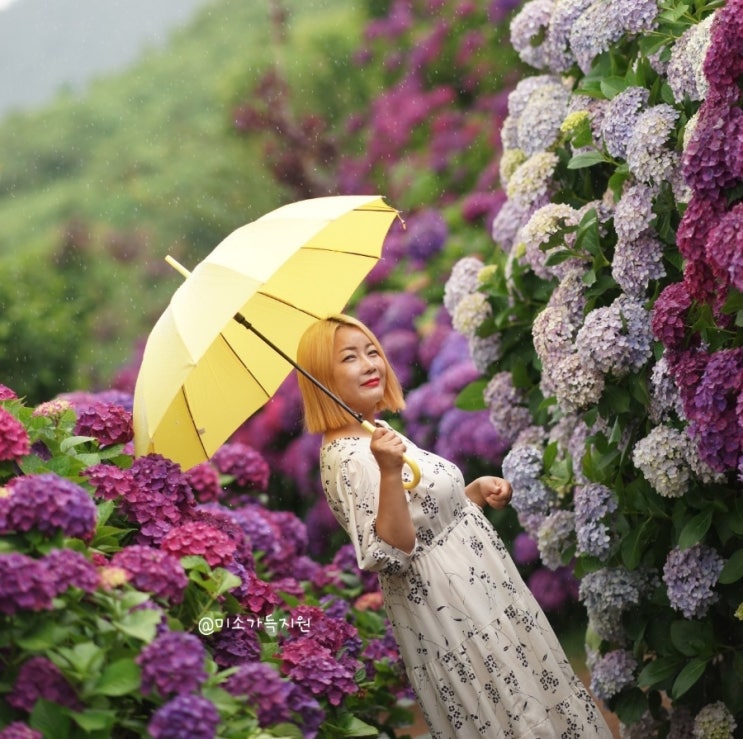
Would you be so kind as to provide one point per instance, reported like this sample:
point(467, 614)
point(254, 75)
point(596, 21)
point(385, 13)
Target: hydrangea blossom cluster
point(49, 504)
point(247, 465)
point(172, 664)
point(593, 503)
point(19, 730)
point(713, 721)
point(663, 458)
point(153, 570)
point(199, 538)
point(14, 441)
point(109, 424)
point(555, 536)
point(506, 406)
point(690, 576)
point(25, 584)
point(686, 66)
point(616, 339)
point(186, 715)
point(38, 678)
point(319, 670)
point(609, 592)
point(611, 673)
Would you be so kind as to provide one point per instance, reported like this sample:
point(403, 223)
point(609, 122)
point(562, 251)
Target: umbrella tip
point(177, 266)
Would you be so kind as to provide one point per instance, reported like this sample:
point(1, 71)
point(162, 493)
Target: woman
point(479, 652)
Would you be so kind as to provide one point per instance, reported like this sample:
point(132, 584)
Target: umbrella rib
point(193, 420)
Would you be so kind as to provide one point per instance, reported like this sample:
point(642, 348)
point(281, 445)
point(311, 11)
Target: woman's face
point(359, 372)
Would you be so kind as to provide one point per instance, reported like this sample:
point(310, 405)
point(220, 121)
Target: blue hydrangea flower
point(185, 715)
point(690, 576)
point(611, 673)
point(685, 70)
point(592, 503)
point(462, 281)
point(620, 118)
point(554, 537)
point(527, 27)
point(507, 408)
point(650, 156)
point(636, 263)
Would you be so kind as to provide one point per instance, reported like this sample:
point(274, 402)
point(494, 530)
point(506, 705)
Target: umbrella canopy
point(203, 374)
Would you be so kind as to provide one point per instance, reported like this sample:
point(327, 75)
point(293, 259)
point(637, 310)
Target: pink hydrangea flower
point(14, 441)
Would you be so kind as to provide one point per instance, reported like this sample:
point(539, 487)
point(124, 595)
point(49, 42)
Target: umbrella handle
point(414, 468)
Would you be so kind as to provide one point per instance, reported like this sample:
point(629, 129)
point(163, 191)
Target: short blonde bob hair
point(315, 356)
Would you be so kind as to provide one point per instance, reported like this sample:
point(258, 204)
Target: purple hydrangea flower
point(47, 503)
point(25, 584)
point(685, 67)
point(554, 537)
point(172, 664)
point(507, 408)
point(466, 435)
point(401, 347)
point(669, 315)
point(157, 475)
point(189, 716)
point(525, 549)
point(611, 673)
point(560, 57)
point(41, 678)
point(527, 27)
point(636, 263)
point(247, 465)
point(593, 503)
point(549, 587)
point(335, 634)
point(650, 158)
point(715, 423)
point(109, 424)
point(231, 647)
point(19, 730)
point(68, 568)
point(319, 670)
point(620, 119)
point(264, 689)
point(426, 235)
point(690, 576)
point(153, 571)
point(14, 441)
point(724, 248)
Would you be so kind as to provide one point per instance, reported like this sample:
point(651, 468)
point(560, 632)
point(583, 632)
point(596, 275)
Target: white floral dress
point(479, 652)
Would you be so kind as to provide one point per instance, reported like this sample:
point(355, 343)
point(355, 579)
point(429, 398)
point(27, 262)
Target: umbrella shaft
point(240, 318)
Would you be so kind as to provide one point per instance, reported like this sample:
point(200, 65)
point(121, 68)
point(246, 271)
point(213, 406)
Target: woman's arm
point(394, 524)
point(493, 491)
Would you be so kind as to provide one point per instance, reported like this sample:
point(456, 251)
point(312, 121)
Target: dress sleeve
point(351, 485)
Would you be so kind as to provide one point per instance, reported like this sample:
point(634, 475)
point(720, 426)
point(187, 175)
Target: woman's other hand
point(490, 490)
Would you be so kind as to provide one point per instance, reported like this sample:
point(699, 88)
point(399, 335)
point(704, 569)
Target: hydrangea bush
point(138, 600)
point(615, 300)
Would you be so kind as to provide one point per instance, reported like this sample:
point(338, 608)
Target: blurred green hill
point(95, 191)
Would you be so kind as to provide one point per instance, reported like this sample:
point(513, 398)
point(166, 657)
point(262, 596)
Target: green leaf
point(142, 625)
point(612, 86)
point(470, 398)
point(693, 638)
point(633, 545)
point(695, 529)
point(118, 678)
point(630, 705)
point(733, 569)
point(587, 159)
point(43, 636)
point(95, 720)
point(686, 679)
point(50, 719)
point(658, 671)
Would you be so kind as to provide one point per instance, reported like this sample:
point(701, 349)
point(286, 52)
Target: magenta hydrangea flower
point(189, 716)
point(47, 503)
point(199, 538)
point(41, 678)
point(247, 465)
point(25, 584)
point(14, 441)
point(172, 664)
point(70, 569)
point(19, 730)
point(713, 411)
point(6, 393)
point(204, 479)
point(262, 598)
point(110, 481)
point(334, 633)
point(669, 315)
point(109, 424)
point(724, 248)
point(319, 670)
point(426, 234)
point(153, 571)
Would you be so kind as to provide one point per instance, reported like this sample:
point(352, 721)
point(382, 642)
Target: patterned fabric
point(479, 651)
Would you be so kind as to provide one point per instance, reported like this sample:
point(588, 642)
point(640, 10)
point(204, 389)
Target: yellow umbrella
point(227, 340)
